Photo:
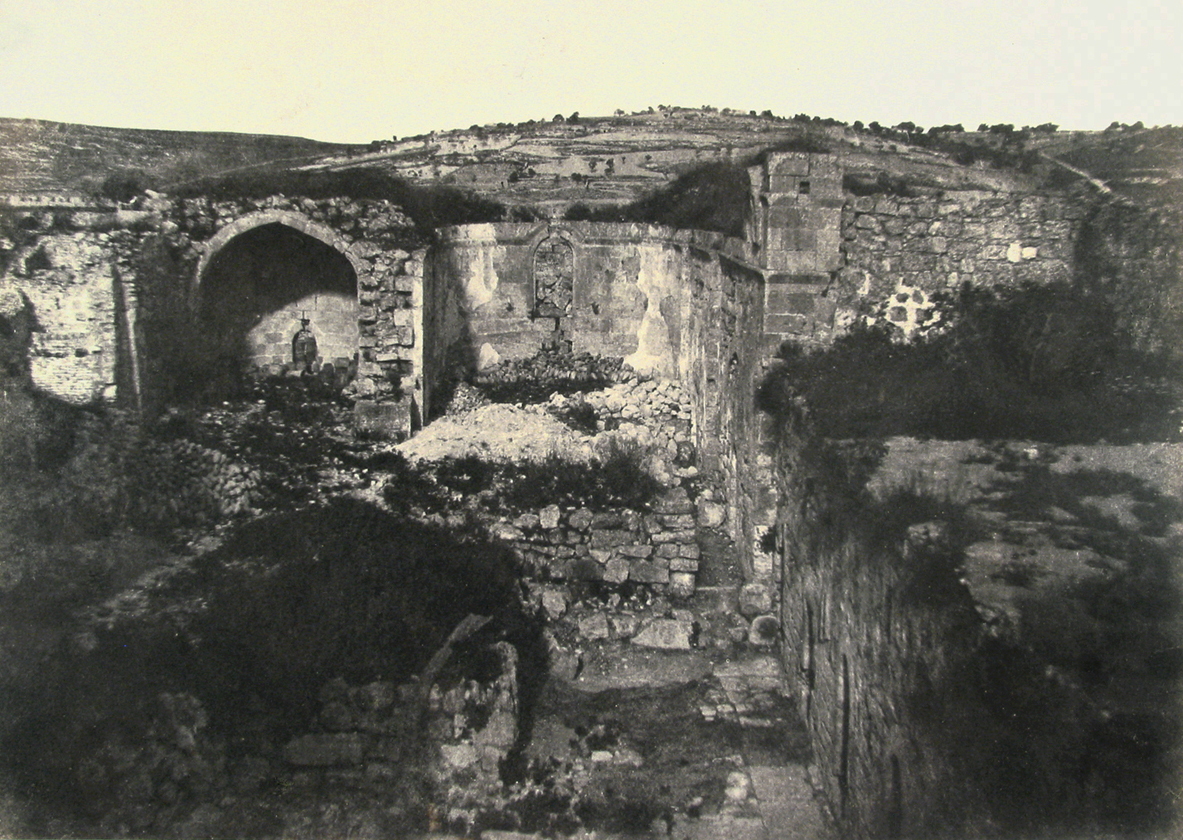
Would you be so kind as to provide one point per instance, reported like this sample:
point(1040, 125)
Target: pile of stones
point(652, 414)
point(459, 731)
point(532, 379)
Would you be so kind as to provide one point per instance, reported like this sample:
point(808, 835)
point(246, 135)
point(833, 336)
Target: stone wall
point(627, 296)
point(723, 362)
point(1134, 254)
point(686, 305)
point(959, 663)
point(74, 298)
point(120, 306)
point(899, 252)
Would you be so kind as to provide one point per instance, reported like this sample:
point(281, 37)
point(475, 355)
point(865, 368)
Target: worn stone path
point(779, 790)
point(767, 794)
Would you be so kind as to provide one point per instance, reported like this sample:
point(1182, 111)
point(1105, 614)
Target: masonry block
point(382, 419)
point(787, 324)
point(780, 301)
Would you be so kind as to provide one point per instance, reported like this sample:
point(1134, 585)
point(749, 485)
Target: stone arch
point(268, 277)
point(553, 272)
point(291, 219)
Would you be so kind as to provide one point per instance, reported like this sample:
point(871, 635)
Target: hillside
point(544, 168)
point(41, 156)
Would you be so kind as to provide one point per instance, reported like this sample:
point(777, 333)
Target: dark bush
point(534, 379)
point(713, 197)
point(1041, 363)
point(618, 479)
point(429, 207)
point(126, 184)
point(881, 184)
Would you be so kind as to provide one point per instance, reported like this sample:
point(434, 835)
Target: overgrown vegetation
point(1035, 362)
point(245, 637)
point(535, 378)
point(617, 478)
point(1023, 714)
point(711, 197)
point(430, 207)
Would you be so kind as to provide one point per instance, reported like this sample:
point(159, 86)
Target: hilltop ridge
point(546, 167)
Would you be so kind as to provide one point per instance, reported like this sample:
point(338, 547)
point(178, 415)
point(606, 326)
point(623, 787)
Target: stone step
point(787, 804)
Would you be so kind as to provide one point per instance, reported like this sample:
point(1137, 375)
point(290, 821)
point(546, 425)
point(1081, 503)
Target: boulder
point(665, 634)
point(594, 626)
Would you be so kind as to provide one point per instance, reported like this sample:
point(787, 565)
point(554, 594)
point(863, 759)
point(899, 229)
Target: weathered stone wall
point(105, 283)
point(948, 649)
point(687, 305)
point(67, 273)
point(374, 236)
point(899, 252)
point(627, 298)
point(1134, 254)
point(722, 361)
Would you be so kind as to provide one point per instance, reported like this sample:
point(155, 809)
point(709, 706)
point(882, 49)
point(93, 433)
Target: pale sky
point(361, 70)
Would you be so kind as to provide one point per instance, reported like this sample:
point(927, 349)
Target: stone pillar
point(797, 215)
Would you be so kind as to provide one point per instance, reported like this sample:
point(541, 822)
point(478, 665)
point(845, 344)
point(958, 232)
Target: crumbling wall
point(116, 295)
point(621, 298)
point(67, 273)
point(722, 362)
point(899, 252)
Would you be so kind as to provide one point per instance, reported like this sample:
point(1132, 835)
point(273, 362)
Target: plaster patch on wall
point(480, 276)
point(655, 276)
point(488, 357)
point(910, 309)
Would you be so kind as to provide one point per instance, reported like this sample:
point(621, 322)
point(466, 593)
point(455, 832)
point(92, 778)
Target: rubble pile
point(534, 378)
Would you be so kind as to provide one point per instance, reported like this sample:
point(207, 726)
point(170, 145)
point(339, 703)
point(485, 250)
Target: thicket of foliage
point(1033, 362)
point(617, 479)
point(430, 207)
point(534, 379)
point(713, 197)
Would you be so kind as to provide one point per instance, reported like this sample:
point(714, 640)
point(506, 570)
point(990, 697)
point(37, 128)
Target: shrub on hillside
point(429, 206)
point(713, 197)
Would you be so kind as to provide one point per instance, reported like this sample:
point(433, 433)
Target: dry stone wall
point(899, 252)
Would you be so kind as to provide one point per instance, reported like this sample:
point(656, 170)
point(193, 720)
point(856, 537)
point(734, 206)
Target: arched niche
point(261, 277)
point(552, 268)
